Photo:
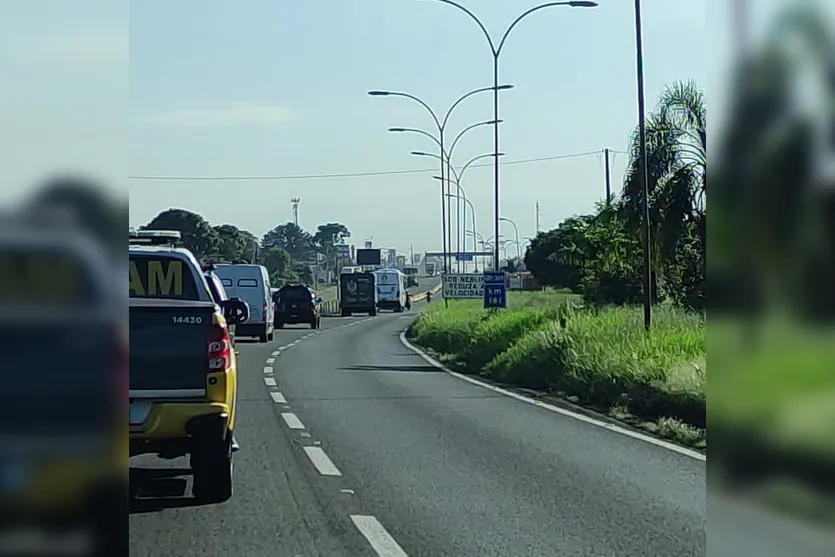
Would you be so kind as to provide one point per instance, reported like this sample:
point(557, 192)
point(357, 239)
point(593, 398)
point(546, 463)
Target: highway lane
point(365, 444)
point(274, 510)
point(450, 468)
point(277, 509)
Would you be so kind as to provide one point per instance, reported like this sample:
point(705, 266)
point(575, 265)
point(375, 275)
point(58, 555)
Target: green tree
point(556, 258)
point(236, 245)
point(325, 239)
point(197, 234)
point(292, 238)
point(676, 139)
point(279, 264)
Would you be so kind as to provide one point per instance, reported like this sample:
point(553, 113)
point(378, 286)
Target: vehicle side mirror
point(235, 310)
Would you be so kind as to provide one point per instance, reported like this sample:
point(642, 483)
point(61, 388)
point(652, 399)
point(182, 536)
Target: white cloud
point(232, 114)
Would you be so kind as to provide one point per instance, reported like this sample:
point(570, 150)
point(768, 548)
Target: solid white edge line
point(376, 534)
point(278, 397)
point(268, 369)
point(320, 460)
point(269, 381)
point(292, 421)
point(556, 409)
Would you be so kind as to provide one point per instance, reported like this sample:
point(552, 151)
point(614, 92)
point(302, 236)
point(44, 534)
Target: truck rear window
point(297, 294)
point(159, 276)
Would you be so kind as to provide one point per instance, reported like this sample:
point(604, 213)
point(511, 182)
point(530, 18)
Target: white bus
point(391, 290)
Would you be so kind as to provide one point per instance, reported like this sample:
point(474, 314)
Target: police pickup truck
point(183, 375)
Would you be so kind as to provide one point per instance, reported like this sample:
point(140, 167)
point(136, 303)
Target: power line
point(359, 174)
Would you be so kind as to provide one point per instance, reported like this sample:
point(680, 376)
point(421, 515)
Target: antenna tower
point(295, 201)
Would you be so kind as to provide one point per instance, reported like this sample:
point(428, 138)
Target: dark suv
point(296, 303)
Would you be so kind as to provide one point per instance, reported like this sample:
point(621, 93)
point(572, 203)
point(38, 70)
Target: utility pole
point(538, 214)
point(608, 177)
point(295, 201)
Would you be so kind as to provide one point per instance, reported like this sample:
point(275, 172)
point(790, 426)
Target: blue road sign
point(464, 257)
point(495, 289)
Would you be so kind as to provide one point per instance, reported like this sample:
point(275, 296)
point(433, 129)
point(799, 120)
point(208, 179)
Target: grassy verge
point(604, 360)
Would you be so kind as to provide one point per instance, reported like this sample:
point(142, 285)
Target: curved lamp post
point(496, 51)
point(441, 124)
point(459, 176)
point(445, 159)
point(516, 231)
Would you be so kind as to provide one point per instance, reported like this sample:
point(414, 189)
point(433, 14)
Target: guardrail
point(331, 308)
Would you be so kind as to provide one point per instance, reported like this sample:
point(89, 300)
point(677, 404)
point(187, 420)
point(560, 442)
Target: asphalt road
point(361, 448)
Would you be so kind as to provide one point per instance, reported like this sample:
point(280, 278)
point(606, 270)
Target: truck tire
point(271, 335)
point(213, 471)
point(263, 337)
point(398, 309)
point(373, 312)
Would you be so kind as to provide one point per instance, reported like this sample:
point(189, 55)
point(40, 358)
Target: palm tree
point(676, 139)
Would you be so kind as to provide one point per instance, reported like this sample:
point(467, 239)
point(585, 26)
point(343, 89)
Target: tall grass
point(604, 358)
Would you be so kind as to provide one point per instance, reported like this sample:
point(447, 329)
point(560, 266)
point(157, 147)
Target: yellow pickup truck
point(183, 368)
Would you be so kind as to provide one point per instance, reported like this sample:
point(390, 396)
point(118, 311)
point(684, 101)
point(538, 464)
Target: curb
point(586, 416)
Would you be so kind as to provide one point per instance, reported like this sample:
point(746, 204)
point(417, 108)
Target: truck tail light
point(219, 347)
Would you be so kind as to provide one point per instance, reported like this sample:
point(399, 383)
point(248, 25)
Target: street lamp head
point(397, 130)
point(582, 4)
point(422, 154)
point(379, 93)
point(505, 87)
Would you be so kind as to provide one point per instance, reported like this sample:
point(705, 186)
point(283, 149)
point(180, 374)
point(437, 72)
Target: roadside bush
point(601, 356)
point(496, 333)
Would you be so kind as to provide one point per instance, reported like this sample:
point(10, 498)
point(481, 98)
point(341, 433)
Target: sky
point(258, 88)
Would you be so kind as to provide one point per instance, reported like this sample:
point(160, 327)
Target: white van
point(391, 289)
point(250, 283)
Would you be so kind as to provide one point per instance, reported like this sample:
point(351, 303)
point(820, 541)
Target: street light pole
point(459, 176)
point(441, 127)
point(516, 232)
point(644, 174)
point(496, 51)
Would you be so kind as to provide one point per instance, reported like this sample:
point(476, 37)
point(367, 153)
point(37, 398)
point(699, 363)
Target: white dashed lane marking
point(270, 360)
point(269, 381)
point(278, 397)
point(268, 370)
point(292, 421)
point(380, 540)
point(321, 461)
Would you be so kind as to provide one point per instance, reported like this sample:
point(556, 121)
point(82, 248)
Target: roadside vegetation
point(287, 250)
point(599, 358)
point(583, 339)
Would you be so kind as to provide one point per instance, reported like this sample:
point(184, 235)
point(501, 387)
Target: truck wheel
point(373, 312)
point(398, 309)
point(213, 471)
point(271, 335)
point(263, 337)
